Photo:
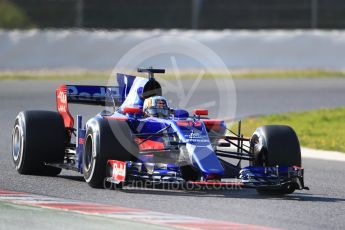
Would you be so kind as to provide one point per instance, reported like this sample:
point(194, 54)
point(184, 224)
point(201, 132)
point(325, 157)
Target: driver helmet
point(156, 106)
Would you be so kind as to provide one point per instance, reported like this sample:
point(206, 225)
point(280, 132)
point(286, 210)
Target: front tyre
point(276, 145)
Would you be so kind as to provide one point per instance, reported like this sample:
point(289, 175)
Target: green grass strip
point(104, 75)
point(319, 129)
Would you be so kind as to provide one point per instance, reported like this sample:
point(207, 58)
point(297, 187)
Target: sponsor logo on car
point(119, 171)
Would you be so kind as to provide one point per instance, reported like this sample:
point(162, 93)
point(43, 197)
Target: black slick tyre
point(106, 140)
point(38, 137)
point(276, 145)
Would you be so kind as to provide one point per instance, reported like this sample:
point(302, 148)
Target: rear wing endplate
point(84, 94)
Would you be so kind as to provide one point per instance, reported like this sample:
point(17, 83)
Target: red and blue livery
point(129, 142)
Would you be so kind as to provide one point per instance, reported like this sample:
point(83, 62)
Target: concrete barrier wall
point(100, 50)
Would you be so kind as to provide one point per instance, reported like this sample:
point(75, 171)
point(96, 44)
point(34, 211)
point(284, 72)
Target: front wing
point(127, 173)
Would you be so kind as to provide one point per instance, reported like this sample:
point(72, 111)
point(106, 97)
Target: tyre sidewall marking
point(21, 125)
point(93, 159)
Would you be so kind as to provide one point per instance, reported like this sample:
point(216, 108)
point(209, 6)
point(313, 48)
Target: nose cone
point(205, 158)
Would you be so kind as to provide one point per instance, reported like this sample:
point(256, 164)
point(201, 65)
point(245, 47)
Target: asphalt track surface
point(321, 207)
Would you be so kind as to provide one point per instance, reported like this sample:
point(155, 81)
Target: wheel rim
point(88, 153)
point(17, 142)
point(259, 151)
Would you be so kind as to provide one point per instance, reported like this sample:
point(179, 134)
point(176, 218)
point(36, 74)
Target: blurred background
point(245, 34)
point(167, 14)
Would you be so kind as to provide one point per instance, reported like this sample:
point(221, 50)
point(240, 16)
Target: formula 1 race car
point(144, 140)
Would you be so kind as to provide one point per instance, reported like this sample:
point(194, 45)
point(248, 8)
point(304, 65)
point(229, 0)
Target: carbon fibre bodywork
point(180, 148)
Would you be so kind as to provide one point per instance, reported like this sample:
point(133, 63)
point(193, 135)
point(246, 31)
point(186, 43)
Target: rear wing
point(84, 94)
point(91, 95)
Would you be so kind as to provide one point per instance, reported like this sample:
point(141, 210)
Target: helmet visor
point(158, 112)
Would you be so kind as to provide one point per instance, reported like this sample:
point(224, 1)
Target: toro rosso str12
point(144, 140)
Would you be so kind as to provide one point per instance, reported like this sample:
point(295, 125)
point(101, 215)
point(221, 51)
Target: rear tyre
point(38, 137)
point(276, 145)
point(102, 145)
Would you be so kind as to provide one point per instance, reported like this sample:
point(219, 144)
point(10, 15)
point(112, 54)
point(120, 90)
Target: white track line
point(322, 154)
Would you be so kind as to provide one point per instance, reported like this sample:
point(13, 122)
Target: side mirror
point(132, 110)
point(201, 112)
